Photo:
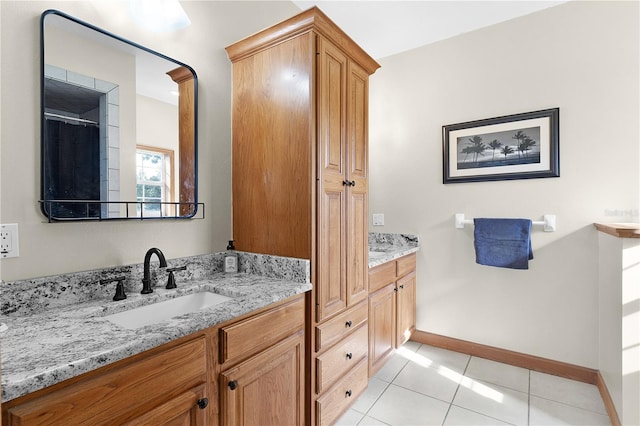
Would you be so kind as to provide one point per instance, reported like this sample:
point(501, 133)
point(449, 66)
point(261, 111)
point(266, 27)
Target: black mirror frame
point(44, 203)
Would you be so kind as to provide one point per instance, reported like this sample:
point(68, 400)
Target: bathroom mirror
point(119, 124)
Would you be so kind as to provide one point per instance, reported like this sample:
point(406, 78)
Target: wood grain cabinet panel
point(300, 166)
point(267, 389)
point(247, 337)
point(336, 400)
point(406, 308)
point(381, 276)
point(342, 357)
point(124, 394)
point(337, 328)
point(264, 376)
point(183, 410)
point(392, 308)
point(382, 333)
point(405, 265)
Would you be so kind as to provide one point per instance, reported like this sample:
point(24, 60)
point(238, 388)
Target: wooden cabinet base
point(120, 395)
point(392, 308)
point(178, 383)
point(333, 403)
point(267, 389)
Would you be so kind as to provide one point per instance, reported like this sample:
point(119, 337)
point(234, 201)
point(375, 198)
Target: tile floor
point(424, 385)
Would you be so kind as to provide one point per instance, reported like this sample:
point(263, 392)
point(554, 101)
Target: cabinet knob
point(346, 183)
point(233, 384)
point(348, 324)
point(349, 355)
point(353, 183)
point(348, 393)
point(402, 286)
point(202, 403)
point(395, 289)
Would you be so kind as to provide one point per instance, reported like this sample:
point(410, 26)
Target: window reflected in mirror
point(154, 176)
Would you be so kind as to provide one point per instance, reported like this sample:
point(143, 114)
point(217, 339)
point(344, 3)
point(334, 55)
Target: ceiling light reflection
point(158, 15)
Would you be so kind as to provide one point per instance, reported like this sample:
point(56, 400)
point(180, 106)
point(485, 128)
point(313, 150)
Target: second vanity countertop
point(46, 348)
point(386, 247)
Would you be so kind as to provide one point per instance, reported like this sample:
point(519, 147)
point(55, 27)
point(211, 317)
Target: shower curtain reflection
point(72, 167)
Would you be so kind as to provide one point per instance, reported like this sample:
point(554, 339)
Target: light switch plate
point(378, 219)
point(9, 241)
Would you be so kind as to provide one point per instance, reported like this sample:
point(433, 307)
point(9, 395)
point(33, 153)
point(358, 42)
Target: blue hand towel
point(505, 243)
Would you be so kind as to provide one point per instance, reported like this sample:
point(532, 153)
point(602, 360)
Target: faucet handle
point(120, 294)
point(171, 281)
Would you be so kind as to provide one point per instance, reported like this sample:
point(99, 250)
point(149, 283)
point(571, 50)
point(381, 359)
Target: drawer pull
point(233, 384)
point(348, 393)
point(348, 324)
point(202, 403)
point(349, 355)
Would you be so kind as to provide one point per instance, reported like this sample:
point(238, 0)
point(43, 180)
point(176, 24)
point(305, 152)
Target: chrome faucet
point(146, 280)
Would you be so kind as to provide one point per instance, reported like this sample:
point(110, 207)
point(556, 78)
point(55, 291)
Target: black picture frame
point(518, 146)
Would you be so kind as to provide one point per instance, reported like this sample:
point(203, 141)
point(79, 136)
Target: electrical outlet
point(9, 240)
point(378, 219)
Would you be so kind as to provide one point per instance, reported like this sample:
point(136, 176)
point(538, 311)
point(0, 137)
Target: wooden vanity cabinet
point(300, 172)
point(188, 381)
point(392, 308)
point(262, 378)
point(165, 387)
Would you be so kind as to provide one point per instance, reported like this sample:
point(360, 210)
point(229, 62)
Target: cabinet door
point(406, 308)
point(382, 338)
point(183, 410)
point(267, 389)
point(357, 199)
point(331, 294)
point(121, 393)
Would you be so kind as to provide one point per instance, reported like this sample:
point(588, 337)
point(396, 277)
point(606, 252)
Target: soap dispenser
point(230, 259)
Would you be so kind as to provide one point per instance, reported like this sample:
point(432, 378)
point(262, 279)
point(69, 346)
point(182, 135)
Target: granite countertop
point(386, 247)
point(47, 347)
point(56, 330)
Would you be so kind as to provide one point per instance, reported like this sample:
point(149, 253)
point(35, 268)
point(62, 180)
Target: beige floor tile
point(400, 407)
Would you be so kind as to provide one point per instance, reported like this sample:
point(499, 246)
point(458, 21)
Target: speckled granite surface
point(56, 325)
point(56, 330)
point(385, 247)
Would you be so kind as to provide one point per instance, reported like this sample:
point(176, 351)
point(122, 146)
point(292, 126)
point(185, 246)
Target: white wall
point(610, 282)
point(581, 57)
point(158, 127)
point(47, 249)
point(630, 331)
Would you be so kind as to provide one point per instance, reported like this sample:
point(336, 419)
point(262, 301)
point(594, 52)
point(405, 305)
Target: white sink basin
point(161, 311)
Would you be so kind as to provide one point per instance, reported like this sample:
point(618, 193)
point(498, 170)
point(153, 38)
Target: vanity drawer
point(247, 337)
point(382, 275)
point(334, 363)
point(336, 328)
point(406, 264)
point(120, 394)
point(336, 400)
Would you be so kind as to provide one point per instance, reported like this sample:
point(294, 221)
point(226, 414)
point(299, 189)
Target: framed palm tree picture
point(519, 146)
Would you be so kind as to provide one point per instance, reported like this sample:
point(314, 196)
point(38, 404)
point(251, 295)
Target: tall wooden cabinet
point(300, 181)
